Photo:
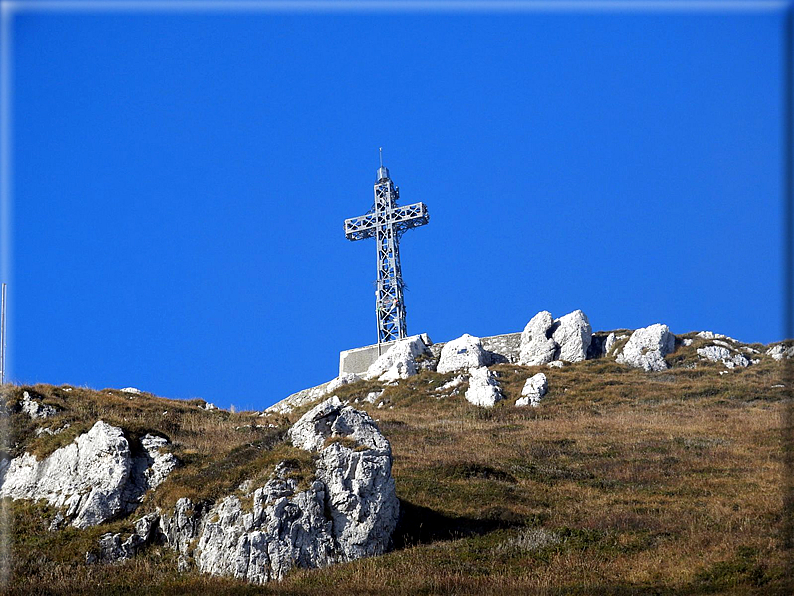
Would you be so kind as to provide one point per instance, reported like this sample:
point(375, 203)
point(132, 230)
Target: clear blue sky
point(180, 183)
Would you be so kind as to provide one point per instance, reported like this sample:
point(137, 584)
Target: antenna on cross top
point(383, 173)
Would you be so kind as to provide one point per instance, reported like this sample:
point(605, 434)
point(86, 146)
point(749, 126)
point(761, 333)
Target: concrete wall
point(359, 360)
point(503, 348)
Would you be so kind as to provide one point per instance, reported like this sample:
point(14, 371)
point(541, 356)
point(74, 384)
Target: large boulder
point(647, 348)
point(399, 362)
point(545, 339)
point(483, 388)
point(94, 478)
point(572, 335)
point(537, 346)
point(462, 353)
point(534, 389)
point(349, 510)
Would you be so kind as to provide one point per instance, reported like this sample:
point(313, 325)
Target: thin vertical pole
point(3, 337)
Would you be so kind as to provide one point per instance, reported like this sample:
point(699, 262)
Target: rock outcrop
point(462, 353)
point(780, 351)
point(399, 362)
point(348, 511)
point(534, 389)
point(483, 388)
point(34, 408)
point(647, 348)
point(545, 339)
point(724, 355)
point(94, 478)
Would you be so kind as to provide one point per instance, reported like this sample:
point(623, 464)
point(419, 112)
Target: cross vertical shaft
point(386, 222)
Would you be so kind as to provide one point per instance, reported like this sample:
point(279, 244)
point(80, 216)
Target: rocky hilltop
point(440, 461)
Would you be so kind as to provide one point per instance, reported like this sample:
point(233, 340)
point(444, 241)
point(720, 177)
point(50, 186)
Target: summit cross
point(387, 222)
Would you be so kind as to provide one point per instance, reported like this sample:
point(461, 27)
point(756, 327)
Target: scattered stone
point(687, 341)
point(534, 389)
point(209, 406)
point(647, 348)
point(50, 431)
point(94, 478)
point(483, 387)
point(555, 364)
point(36, 409)
point(372, 396)
point(462, 353)
point(452, 383)
point(133, 390)
point(710, 335)
point(399, 362)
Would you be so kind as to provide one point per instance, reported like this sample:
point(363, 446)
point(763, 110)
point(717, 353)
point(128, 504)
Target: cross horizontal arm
point(402, 218)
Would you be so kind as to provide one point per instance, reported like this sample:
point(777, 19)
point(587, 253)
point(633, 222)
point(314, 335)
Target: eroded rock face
point(647, 348)
point(399, 362)
point(534, 389)
point(483, 388)
point(94, 478)
point(545, 339)
point(348, 511)
point(462, 353)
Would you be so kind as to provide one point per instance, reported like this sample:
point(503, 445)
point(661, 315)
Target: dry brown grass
point(655, 483)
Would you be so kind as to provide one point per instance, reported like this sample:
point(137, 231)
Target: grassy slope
point(620, 482)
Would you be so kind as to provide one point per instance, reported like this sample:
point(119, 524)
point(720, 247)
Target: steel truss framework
point(387, 222)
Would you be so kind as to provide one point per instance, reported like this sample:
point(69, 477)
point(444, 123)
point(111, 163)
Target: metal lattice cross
point(387, 222)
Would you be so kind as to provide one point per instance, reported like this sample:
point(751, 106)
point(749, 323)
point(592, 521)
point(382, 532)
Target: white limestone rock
point(555, 364)
point(724, 355)
point(34, 408)
point(534, 389)
point(780, 352)
point(710, 335)
point(131, 390)
point(714, 353)
point(545, 339)
point(647, 348)
point(399, 362)
point(537, 346)
point(462, 353)
point(572, 335)
point(483, 388)
point(340, 381)
point(609, 342)
point(94, 478)
point(349, 511)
